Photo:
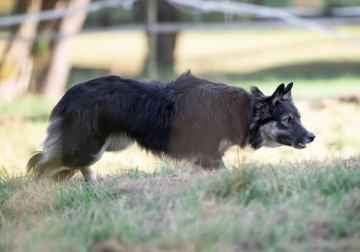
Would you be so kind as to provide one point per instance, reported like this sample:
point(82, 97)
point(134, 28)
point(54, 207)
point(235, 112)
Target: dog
point(190, 118)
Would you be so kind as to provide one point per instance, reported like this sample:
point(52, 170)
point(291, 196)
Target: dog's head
point(275, 121)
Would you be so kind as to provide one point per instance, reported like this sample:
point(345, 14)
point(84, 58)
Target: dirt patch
point(342, 245)
point(321, 227)
point(249, 244)
point(355, 98)
point(351, 202)
point(113, 245)
point(110, 246)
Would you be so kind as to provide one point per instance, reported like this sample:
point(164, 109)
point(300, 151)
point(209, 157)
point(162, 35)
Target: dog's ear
point(287, 92)
point(277, 95)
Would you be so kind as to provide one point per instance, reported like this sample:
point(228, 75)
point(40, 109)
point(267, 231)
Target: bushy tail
point(32, 165)
point(37, 171)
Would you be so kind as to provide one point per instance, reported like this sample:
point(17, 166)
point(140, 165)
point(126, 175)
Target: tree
point(52, 58)
point(16, 67)
point(55, 77)
point(166, 42)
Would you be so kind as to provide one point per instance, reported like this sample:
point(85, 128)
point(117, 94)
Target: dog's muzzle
point(310, 137)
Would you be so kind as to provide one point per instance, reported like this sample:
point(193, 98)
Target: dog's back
point(209, 117)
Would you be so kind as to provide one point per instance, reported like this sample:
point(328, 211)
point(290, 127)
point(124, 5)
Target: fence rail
point(60, 13)
point(163, 28)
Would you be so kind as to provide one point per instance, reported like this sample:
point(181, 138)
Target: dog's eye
point(286, 120)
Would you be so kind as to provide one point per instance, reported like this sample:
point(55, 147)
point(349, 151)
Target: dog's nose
point(311, 136)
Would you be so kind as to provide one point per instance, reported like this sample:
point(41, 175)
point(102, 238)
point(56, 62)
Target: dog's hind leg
point(88, 174)
point(115, 142)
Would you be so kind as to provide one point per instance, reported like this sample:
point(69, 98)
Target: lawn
point(240, 51)
point(278, 199)
point(305, 206)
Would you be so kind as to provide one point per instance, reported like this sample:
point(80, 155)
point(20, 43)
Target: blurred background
point(47, 46)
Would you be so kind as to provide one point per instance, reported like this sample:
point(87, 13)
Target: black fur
point(93, 110)
point(190, 118)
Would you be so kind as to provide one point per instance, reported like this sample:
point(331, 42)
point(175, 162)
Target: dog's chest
point(224, 145)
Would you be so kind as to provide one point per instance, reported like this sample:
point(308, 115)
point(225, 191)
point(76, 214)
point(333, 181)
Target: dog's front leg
point(88, 174)
point(210, 163)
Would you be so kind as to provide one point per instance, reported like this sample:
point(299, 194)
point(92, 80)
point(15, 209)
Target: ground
point(305, 206)
point(271, 200)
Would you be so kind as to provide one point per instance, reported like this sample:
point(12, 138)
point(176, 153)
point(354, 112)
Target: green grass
point(303, 206)
point(314, 89)
point(32, 108)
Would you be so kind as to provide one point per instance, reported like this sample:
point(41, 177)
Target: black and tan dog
point(190, 118)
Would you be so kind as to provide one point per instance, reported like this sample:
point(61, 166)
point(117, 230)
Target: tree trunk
point(57, 73)
point(166, 42)
point(15, 70)
point(41, 52)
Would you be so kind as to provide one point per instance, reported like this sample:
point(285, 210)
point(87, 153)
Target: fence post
point(151, 33)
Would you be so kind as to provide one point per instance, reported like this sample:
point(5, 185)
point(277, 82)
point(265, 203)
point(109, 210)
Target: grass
point(217, 51)
point(310, 89)
point(274, 199)
point(303, 206)
point(237, 52)
point(248, 51)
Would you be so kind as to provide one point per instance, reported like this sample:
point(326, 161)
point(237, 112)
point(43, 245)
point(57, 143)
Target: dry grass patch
point(29, 200)
point(216, 51)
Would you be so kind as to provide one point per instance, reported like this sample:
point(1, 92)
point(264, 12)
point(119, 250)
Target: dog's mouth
point(288, 142)
point(293, 144)
point(299, 146)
